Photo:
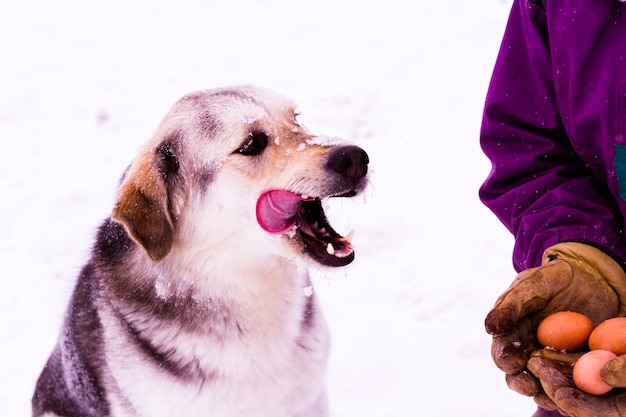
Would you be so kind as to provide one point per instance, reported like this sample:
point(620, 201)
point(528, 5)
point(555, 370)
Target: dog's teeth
point(348, 238)
point(330, 249)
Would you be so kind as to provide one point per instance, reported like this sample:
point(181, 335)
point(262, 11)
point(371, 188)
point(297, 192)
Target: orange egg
point(587, 372)
point(610, 335)
point(564, 330)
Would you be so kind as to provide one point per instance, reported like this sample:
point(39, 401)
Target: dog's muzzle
point(281, 211)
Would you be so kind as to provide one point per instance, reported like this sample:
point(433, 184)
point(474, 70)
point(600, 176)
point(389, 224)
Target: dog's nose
point(349, 161)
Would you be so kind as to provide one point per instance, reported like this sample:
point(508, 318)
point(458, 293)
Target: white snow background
point(84, 84)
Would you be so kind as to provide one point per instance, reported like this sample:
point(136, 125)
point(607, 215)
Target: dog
point(196, 300)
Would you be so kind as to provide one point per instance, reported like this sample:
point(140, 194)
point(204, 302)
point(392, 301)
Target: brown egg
point(587, 372)
point(564, 330)
point(610, 335)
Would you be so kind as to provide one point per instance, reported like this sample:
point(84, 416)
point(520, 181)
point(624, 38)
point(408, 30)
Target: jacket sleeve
point(539, 187)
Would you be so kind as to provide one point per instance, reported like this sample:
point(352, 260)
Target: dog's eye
point(254, 144)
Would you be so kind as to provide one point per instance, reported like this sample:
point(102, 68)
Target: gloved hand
point(574, 277)
point(554, 370)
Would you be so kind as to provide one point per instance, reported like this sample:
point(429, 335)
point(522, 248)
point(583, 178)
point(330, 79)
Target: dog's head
point(232, 169)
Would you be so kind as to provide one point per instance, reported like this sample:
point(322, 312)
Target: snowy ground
point(83, 84)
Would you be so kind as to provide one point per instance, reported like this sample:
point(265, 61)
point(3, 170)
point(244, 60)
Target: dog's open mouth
point(279, 211)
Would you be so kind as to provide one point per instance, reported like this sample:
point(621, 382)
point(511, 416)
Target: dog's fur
point(187, 306)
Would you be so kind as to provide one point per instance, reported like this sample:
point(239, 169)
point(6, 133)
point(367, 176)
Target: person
point(554, 128)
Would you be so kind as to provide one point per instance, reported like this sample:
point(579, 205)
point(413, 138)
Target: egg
point(610, 335)
point(564, 330)
point(587, 371)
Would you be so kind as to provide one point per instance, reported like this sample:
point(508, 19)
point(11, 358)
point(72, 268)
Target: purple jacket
point(554, 127)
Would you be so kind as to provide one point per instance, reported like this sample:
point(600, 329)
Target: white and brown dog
point(196, 300)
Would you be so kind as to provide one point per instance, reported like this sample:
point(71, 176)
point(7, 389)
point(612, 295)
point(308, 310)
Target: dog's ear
point(143, 203)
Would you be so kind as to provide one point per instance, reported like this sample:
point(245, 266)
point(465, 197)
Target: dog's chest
point(186, 374)
point(157, 396)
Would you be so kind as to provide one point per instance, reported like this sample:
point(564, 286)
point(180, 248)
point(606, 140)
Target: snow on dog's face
point(232, 170)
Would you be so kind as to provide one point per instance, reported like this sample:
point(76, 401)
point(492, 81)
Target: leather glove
point(554, 370)
point(573, 276)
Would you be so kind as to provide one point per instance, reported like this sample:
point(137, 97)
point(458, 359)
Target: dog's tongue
point(276, 210)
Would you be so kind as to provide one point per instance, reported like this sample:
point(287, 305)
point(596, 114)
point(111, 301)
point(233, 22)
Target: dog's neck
point(260, 303)
point(243, 290)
